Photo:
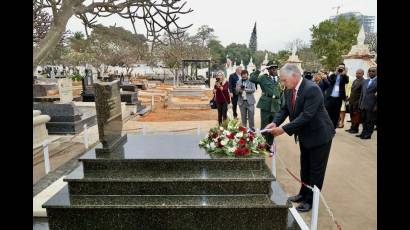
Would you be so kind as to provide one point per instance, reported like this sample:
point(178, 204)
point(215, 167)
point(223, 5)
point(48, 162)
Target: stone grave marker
point(65, 89)
point(109, 115)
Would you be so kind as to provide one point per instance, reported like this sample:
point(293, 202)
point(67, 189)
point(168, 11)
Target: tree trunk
point(57, 29)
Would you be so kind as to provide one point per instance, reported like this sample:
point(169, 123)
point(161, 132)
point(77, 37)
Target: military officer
point(270, 100)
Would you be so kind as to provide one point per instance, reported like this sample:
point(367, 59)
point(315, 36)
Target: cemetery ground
point(350, 183)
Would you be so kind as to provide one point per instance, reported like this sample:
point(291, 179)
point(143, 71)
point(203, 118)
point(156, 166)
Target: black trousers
point(355, 117)
point(369, 121)
point(222, 112)
point(333, 105)
point(313, 162)
point(234, 100)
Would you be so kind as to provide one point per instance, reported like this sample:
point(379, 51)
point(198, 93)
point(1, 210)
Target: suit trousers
point(247, 113)
point(355, 118)
point(222, 112)
point(333, 105)
point(234, 100)
point(369, 121)
point(313, 162)
point(267, 118)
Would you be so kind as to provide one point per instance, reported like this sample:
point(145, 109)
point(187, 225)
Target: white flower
point(224, 142)
point(239, 135)
point(212, 145)
point(221, 128)
point(231, 149)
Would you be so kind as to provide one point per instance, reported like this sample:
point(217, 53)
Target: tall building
point(367, 21)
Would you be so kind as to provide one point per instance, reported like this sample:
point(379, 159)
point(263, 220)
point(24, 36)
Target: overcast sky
point(278, 21)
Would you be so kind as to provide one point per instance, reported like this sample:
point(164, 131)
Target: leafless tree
point(41, 24)
point(371, 39)
point(158, 16)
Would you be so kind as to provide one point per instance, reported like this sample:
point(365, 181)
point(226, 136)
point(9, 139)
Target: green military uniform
point(271, 99)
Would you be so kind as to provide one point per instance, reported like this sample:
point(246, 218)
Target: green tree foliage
point(282, 56)
point(205, 34)
point(238, 52)
point(331, 40)
point(107, 45)
point(259, 56)
point(173, 51)
point(218, 57)
point(253, 46)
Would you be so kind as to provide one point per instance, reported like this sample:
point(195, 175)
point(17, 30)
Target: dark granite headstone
point(66, 118)
point(88, 88)
point(109, 115)
point(129, 87)
point(130, 98)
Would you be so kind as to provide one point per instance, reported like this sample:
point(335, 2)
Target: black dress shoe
point(348, 130)
point(353, 131)
point(304, 207)
point(360, 135)
point(297, 198)
point(365, 137)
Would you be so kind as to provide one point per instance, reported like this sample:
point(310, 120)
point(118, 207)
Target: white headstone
point(361, 36)
point(294, 49)
point(65, 89)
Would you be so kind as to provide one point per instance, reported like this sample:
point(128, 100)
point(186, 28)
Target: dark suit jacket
point(355, 93)
point(310, 121)
point(368, 101)
point(233, 79)
point(343, 81)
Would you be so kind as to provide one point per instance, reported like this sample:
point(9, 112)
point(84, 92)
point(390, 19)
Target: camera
point(242, 87)
point(340, 70)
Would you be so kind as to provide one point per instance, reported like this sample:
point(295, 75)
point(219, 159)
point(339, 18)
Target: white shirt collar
point(298, 85)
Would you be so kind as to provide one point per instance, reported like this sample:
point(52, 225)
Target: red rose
point(246, 151)
point(230, 136)
point(251, 137)
point(242, 142)
point(261, 146)
point(242, 129)
point(215, 135)
point(238, 152)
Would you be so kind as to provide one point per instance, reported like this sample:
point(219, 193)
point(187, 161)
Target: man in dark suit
point(336, 93)
point(368, 104)
point(233, 80)
point(354, 101)
point(310, 123)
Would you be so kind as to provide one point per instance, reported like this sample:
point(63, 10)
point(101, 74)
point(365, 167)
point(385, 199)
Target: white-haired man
point(311, 124)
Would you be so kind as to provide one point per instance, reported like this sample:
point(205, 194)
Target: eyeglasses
point(371, 71)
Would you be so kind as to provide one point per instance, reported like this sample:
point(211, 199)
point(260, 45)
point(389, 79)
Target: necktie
point(293, 98)
point(370, 83)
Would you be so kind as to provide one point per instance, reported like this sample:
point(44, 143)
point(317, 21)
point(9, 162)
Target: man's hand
point(214, 91)
point(277, 131)
point(270, 126)
point(231, 94)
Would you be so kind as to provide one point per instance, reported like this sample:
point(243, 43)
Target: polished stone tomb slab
point(163, 181)
point(66, 118)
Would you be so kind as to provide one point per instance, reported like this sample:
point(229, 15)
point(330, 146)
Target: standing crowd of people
point(315, 104)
